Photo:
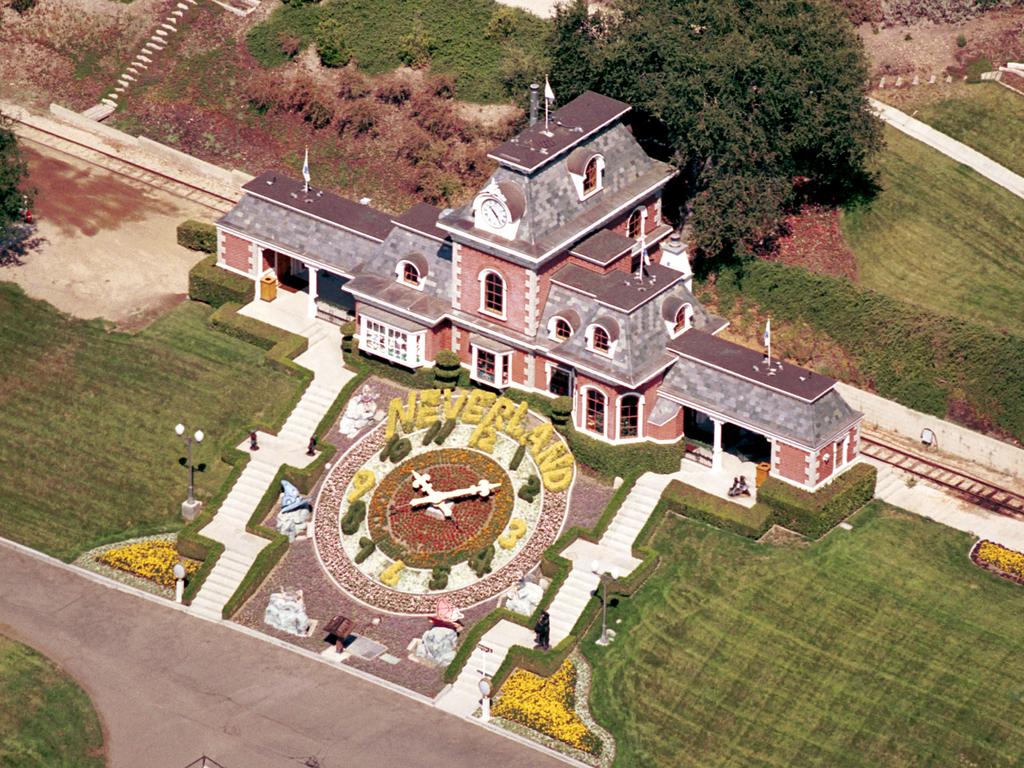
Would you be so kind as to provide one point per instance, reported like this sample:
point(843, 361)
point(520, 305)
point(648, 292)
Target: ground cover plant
point(849, 652)
point(88, 453)
point(482, 44)
point(154, 560)
point(941, 236)
point(46, 720)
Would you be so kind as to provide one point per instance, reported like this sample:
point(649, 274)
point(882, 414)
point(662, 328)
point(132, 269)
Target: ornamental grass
point(547, 705)
point(154, 560)
point(1002, 559)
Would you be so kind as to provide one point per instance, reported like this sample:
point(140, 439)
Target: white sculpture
point(524, 598)
point(293, 518)
point(286, 611)
point(360, 412)
point(438, 645)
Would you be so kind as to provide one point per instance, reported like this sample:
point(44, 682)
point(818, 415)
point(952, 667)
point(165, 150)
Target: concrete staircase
point(571, 599)
point(323, 357)
point(634, 513)
point(464, 695)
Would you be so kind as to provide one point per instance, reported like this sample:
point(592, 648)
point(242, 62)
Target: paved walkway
point(952, 148)
point(323, 357)
point(169, 687)
point(927, 501)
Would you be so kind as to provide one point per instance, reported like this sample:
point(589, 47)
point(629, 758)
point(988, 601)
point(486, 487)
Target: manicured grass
point(987, 117)
point(88, 452)
point(457, 31)
point(880, 646)
point(941, 236)
point(46, 720)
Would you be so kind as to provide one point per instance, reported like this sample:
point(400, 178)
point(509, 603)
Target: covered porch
point(324, 294)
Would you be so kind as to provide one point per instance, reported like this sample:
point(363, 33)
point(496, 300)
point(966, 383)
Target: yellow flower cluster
point(1006, 560)
point(546, 704)
point(153, 560)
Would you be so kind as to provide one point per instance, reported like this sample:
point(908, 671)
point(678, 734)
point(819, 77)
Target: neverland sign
point(491, 414)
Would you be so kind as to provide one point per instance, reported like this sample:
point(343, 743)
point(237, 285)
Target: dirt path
point(109, 245)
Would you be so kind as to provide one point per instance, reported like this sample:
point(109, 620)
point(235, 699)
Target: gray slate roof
point(807, 423)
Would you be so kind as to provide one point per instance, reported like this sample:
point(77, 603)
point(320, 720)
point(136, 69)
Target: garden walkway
point(614, 551)
point(950, 147)
point(169, 688)
point(323, 357)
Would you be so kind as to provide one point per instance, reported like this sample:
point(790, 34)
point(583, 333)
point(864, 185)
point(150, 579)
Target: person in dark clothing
point(543, 631)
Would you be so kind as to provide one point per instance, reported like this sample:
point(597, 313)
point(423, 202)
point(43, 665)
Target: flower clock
point(407, 516)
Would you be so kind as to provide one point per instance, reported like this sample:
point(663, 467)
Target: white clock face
point(494, 212)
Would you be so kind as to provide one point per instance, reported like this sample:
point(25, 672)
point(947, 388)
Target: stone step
point(206, 612)
point(168, 27)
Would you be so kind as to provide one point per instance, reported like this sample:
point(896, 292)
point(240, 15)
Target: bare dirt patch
point(109, 245)
point(812, 239)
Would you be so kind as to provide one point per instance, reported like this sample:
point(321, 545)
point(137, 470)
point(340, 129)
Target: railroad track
point(126, 168)
point(973, 489)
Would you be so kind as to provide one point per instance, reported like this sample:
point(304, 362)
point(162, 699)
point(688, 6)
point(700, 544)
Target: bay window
point(399, 346)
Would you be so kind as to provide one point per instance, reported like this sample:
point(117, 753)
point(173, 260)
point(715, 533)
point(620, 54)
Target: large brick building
point(561, 277)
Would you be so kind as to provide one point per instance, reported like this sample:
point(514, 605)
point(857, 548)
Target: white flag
point(768, 333)
point(549, 94)
point(305, 168)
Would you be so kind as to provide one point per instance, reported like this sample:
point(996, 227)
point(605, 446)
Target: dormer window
point(683, 319)
point(562, 329)
point(677, 314)
point(635, 224)
point(590, 177)
point(492, 294)
point(562, 326)
point(600, 341)
point(410, 275)
point(602, 335)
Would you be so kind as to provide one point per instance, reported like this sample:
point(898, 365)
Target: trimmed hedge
point(698, 505)
point(197, 236)
point(814, 514)
point(212, 285)
point(926, 361)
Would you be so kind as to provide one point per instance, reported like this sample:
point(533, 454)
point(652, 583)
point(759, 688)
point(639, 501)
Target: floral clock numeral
point(530, 489)
point(362, 483)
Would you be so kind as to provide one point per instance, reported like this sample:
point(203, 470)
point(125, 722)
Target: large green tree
point(751, 99)
point(14, 194)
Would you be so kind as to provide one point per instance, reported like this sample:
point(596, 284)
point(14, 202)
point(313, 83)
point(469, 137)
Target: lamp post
point(191, 507)
point(606, 575)
point(179, 581)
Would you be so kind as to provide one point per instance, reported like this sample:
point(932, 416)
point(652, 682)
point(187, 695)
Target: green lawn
point(457, 32)
point(46, 720)
point(941, 236)
point(987, 117)
point(88, 452)
point(881, 646)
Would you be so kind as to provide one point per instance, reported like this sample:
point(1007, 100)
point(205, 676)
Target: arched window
point(629, 416)
point(635, 224)
point(590, 175)
point(682, 319)
point(410, 274)
point(595, 409)
point(600, 340)
point(561, 329)
point(493, 294)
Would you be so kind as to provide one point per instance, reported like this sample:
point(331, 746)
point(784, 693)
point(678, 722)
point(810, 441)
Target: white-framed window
point(561, 380)
point(492, 293)
point(635, 223)
point(630, 415)
point(491, 368)
point(595, 410)
point(588, 180)
point(684, 317)
point(560, 329)
point(599, 340)
point(399, 346)
point(409, 274)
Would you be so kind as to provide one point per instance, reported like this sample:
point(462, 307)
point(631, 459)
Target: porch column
point(716, 451)
point(311, 306)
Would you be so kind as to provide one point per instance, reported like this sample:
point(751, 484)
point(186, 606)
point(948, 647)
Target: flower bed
point(423, 541)
point(152, 559)
point(544, 517)
point(995, 557)
point(548, 706)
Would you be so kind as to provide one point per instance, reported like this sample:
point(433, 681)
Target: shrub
point(530, 489)
point(360, 117)
point(517, 458)
point(961, 40)
point(22, 6)
point(197, 236)
point(447, 369)
point(354, 517)
point(561, 410)
point(814, 514)
point(416, 48)
point(318, 115)
point(480, 563)
point(439, 577)
point(215, 286)
point(289, 44)
point(348, 332)
point(698, 505)
point(330, 43)
point(395, 91)
point(366, 548)
point(436, 186)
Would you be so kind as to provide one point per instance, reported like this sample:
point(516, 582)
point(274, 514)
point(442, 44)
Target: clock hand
point(483, 488)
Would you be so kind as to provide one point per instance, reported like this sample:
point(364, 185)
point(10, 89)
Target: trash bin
point(268, 287)
point(762, 472)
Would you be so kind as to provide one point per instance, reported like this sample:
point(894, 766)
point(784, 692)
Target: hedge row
point(698, 505)
point(814, 514)
point(928, 362)
point(212, 285)
point(197, 236)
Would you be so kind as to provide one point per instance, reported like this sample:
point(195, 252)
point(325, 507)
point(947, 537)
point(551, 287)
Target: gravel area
point(590, 496)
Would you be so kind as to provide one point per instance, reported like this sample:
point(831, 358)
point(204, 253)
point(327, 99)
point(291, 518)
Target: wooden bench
point(340, 627)
point(698, 453)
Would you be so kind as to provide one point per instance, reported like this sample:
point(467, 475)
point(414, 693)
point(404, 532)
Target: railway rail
point(982, 493)
point(140, 173)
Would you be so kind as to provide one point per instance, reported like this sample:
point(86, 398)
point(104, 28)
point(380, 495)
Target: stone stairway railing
point(323, 357)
